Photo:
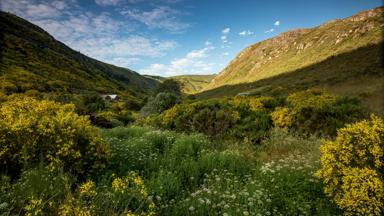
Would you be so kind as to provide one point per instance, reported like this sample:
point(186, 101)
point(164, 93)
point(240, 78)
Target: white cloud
point(277, 23)
point(269, 31)
point(207, 43)
point(226, 30)
point(133, 46)
point(107, 2)
point(225, 53)
point(245, 33)
point(162, 17)
point(194, 62)
point(123, 62)
point(96, 35)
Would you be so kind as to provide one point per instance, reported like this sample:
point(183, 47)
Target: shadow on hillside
point(364, 62)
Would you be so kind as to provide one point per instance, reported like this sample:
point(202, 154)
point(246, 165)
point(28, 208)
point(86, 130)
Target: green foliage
point(39, 191)
point(160, 103)
point(93, 103)
point(318, 112)
point(210, 117)
point(33, 132)
point(191, 84)
point(169, 86)
point(353, 167)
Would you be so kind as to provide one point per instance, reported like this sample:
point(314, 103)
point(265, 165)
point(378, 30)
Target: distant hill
point(193, 83)
point(31, 59)
point(344, 56)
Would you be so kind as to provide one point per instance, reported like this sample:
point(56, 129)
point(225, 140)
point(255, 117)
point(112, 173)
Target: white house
point(109, 97)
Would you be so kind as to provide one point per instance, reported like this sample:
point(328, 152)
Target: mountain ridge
point(301, 47)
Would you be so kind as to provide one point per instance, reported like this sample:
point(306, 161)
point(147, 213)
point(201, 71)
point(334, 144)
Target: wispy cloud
point(162, 17)
point(207, 43)
point(277, 23)
point(194, 62)
point(226, 30)
point(224, 37)
point(269, 31)
point(97, 35)
point(245, 33)
point(107, 2)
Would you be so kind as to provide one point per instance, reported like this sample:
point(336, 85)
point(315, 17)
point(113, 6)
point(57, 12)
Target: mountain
point(192, 84)
point(343, 56)
point(31, 59)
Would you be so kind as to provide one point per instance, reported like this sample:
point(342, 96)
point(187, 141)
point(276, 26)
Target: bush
point(353, 167)
point(316, 112)
point(160, 103)
point(282, 118)
point(213, 118)
point(169, 86)
point(33, 131)
point(253, 128)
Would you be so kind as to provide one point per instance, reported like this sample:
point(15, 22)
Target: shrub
point(93, 103)
point(312, 111)
point(353, 167)
point(169, 86)
point(282, 118)
point(160, 103)
point(213, 117)
point(253, 128)
point(33, 131)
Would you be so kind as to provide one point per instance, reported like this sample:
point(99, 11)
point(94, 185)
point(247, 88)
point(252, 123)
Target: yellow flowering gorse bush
point(33, 131)
point(353, 165)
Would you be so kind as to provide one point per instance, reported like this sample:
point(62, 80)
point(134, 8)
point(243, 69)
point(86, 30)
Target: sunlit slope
point(302, 48)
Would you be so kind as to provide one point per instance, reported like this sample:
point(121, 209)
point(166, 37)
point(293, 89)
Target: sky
point(174, 37)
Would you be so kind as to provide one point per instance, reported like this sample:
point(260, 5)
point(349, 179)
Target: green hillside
point(343, 56)
point(192, 84)
point(31, 59)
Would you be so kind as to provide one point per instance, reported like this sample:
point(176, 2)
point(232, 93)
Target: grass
point(169, 173)
point(186, 176)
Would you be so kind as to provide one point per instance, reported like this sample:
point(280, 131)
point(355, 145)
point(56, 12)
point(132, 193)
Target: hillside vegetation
point(192, 84)
point(31, 59)
point(343, 56)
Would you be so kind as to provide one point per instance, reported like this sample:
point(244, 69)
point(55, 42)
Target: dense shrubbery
point(212, 168)
point(353, 167)
point(316, 112)
point(33, 132)
point(250, 118)
point(160, 103)
point(242, 118)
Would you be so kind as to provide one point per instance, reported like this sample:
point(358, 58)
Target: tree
point(169, 86)
point(160, 103)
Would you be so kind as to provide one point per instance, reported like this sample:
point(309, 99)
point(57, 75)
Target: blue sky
point(173, 37)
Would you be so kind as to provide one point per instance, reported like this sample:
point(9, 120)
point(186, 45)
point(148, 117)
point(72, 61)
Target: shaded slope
point(192, 84)
point(33, 59)
point(359, 72)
